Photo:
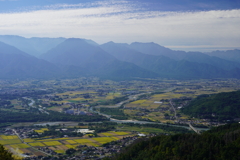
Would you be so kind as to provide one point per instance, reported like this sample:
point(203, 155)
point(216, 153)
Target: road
point(130, 98)
point(30, 145)
point(175, 113)
point(134, 97)
point(194, 129)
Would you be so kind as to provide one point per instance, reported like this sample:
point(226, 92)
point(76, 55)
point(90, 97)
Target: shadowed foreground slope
point(220, 143)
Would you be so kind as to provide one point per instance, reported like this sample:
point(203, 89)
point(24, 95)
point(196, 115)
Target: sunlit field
point(59, 145)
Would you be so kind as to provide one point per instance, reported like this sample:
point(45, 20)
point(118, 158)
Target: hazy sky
point(178, 24)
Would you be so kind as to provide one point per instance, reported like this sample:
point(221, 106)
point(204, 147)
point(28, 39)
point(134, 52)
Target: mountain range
point(73, 57)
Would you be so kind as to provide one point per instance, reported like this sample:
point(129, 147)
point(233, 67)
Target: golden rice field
point(107, 134)
point(9, 137)
point(39, 144)
point(70, 146)
point(149, 103)
point(52, 143)
point(122, 133)
point(41, 130)
point(78, 99)
point(115, 138)
point(55, 139)
point(109, 97)
point(82, 141)
point(71, 141)
point(103, 140)
point(168, 95)
point(21, 145)
point(138, 102)
point(113, 95)
point(59, 145)
point(60, 151)
point(12, 141)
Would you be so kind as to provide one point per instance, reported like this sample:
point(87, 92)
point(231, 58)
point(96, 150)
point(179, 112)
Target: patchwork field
point(9, 137)
point(150, 103)
point(59, 145)
point(41, 130)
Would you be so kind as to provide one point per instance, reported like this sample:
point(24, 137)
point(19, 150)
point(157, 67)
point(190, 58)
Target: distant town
point(89, 118)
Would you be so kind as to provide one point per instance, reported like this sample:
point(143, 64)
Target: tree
point(5, 154)
point(70, 151)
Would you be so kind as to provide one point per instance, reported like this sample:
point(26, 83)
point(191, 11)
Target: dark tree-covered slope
point(222, 106)
point(221, 143)
point(5, 154)
point(11, 116)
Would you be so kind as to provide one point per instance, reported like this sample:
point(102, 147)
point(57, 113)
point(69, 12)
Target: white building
point(84, 131)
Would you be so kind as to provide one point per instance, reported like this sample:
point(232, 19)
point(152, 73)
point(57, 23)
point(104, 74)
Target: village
point(89, 99)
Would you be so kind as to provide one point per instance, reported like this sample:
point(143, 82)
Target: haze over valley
point(119, 80)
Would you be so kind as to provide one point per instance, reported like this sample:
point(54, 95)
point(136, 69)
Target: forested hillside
point(220, 143)
point(222, 106)
point(5, 154)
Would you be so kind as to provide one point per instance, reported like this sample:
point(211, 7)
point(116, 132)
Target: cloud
point(122, 21)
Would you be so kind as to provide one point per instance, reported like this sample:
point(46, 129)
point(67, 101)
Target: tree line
point(218, 107)
point(11, 116)
point(221, 143)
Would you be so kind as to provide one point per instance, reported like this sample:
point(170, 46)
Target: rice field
point(168, 95)
point(39, 144)
point(115, 138)
point(52, 143)
point(107, 134)
point(59, 145)
point(78, 99)
point(21, 145)
point(60, 151)
point(8, 137)
point(12, 141)
point(71, 141)
point(103, 140)
point(121, 133)
point(41, 130)
point(138, 102)
point(82, 141)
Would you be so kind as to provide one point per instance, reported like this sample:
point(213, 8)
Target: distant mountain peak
point(144, 43)
point(111, 43)
point(74, 39)
point(8, 49)
point(90, 42)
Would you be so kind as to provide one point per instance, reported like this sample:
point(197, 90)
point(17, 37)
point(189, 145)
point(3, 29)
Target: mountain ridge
point(80, 57)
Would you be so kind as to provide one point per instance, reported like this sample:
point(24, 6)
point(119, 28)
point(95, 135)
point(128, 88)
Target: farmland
point(68, 102)
point(59, 145)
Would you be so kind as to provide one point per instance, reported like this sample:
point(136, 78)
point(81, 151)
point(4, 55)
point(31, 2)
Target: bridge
point(194, 129)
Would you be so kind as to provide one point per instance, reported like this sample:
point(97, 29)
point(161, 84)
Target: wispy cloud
point(122, 21)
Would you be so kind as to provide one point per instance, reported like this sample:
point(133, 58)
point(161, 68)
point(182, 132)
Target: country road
point(30, 145)
point(132, 97)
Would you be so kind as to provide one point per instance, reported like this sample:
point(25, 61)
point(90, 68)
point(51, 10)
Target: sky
point(189, 25)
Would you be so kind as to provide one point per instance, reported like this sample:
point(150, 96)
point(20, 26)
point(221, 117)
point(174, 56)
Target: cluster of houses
point(22, 132)
point(84, 152)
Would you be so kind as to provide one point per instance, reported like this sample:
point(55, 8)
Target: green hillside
point(222, 106)
point(221, 143)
